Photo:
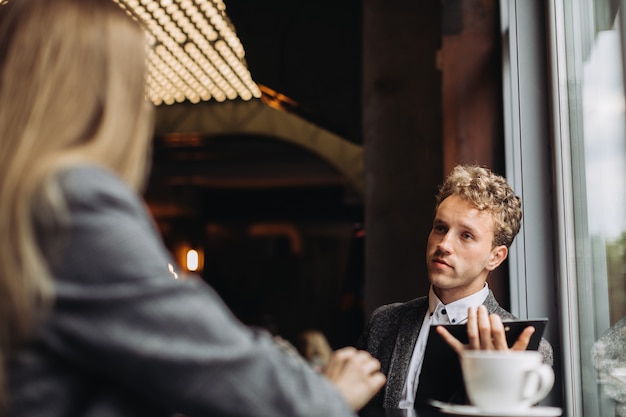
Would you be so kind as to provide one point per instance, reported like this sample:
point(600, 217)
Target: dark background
point(311, 52)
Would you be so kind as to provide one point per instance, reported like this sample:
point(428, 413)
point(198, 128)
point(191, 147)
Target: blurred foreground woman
point(92, 322)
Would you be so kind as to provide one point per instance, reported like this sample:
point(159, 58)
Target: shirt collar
point(457, 310)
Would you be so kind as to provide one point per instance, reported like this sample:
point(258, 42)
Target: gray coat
point(125, 338)
point(391, 334)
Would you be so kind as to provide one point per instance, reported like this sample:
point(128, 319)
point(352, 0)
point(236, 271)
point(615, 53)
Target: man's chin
point(438, 280)
point(439, 270)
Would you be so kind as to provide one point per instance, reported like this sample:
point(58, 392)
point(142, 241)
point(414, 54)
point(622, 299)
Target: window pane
point(598, 132)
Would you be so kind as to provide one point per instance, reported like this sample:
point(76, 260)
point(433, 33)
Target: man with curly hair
point(477, 216)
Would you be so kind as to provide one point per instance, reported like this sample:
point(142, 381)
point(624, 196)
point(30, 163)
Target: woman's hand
point(356, 374)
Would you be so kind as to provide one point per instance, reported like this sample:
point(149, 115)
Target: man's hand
point(356, 374)
point(485, 332)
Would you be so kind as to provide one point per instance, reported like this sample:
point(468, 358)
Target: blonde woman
point(92, 322)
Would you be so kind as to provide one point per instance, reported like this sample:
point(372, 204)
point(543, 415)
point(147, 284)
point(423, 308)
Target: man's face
point(459, 254)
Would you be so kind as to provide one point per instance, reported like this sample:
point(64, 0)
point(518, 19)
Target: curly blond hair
point(488, 192)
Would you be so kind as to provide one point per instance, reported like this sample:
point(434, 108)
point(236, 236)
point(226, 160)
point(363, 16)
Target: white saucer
point(468, 410)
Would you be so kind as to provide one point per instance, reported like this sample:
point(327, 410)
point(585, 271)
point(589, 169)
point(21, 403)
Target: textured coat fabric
point(125, 338)
point(390, 337)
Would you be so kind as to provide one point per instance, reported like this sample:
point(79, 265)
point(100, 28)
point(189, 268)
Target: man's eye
point(467, 236)
point(439, 229)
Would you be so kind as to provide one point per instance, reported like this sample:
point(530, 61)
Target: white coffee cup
point(505, 380)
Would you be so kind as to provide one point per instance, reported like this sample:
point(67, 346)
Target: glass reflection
point(605, 165)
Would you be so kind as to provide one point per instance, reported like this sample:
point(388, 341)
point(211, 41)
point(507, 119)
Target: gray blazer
point(391, 334)
point(124, 338)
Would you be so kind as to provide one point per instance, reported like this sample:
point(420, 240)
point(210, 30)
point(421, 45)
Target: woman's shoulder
point(81, 179)
point(94, 186)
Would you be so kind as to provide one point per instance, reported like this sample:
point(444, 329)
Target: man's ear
point(498, 255)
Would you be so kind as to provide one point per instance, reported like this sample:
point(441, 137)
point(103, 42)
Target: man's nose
point(445, 243)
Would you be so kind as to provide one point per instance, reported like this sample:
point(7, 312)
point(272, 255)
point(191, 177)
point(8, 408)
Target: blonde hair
point(72, 91)
point(488, 192)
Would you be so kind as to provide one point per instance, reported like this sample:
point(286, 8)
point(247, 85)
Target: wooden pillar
point(472, 83)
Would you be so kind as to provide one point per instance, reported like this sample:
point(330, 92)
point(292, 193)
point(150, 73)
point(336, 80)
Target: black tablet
point(441, 378)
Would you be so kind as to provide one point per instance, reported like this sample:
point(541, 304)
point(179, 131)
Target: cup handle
point(539, 382)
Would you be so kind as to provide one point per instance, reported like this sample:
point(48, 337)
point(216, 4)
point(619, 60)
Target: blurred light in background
point(195, 54)
point(192, 260)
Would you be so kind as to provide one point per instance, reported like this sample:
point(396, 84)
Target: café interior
point(299, 144)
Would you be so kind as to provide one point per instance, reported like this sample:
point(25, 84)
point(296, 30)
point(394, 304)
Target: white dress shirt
point(438, 313)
